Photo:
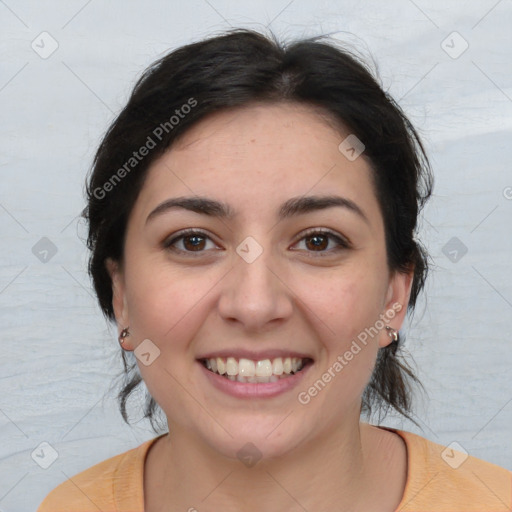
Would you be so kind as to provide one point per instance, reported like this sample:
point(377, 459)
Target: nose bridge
point(253, 294)
point(254, 276)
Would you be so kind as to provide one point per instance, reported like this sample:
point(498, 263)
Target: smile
point(249, 371)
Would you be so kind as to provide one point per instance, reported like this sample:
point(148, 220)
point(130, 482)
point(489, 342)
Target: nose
point(255, 295)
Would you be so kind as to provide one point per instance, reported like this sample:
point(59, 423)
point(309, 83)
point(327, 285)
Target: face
point(260, 284)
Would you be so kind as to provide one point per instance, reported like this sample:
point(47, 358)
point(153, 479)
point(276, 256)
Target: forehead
point(273, 131)
point(260, 154)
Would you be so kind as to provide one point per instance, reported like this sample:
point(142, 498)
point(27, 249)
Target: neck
point(333, 471)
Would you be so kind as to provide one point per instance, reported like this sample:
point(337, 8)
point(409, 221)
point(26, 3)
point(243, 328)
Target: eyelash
point(341, 242)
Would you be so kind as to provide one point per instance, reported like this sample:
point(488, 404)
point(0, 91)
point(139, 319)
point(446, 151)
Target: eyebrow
point(290, 208)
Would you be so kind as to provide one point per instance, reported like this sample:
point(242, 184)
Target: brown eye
point(319, 240)
point(191, 241)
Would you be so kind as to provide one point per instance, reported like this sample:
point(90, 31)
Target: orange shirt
point(439, 479)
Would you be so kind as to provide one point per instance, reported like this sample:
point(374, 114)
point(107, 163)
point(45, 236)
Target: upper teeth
point(249, 368)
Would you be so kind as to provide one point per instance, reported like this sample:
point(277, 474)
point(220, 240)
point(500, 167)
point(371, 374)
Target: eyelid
point(326, 231)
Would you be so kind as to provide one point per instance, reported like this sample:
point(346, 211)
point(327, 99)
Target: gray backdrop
point(66, 69)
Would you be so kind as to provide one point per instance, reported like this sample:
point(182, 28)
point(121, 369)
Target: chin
point(256, 440)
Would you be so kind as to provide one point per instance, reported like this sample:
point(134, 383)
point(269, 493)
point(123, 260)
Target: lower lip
point(257, 389)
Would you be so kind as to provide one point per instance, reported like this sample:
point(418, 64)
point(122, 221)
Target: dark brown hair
point(235, 69)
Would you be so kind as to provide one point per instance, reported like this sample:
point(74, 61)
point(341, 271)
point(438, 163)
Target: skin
point(317, 456)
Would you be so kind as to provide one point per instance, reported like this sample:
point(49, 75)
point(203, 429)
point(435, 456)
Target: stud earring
point(124, 334)
point(392, 333)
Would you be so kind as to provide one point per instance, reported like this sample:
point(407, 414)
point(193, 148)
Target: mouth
point(255, 371)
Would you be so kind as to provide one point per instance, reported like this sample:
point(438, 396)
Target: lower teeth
point(252, 380)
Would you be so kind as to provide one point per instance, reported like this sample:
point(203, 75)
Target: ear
point(397, 300)
point(119, 302)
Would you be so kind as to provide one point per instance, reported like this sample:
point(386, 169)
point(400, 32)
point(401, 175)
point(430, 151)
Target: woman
point(252, 216)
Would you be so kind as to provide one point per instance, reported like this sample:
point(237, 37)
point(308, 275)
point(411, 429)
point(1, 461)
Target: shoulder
point(102, 486)
point(449, 478)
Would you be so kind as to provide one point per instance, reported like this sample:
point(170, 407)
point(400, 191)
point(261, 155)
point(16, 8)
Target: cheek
point(163, 303)
point(345, 301)
point(169, 308)
point(341, 312)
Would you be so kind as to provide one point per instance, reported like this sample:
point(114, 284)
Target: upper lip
point(239, 353)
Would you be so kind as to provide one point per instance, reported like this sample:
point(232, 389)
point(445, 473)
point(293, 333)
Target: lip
point(257, 389)
point(238, 353)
